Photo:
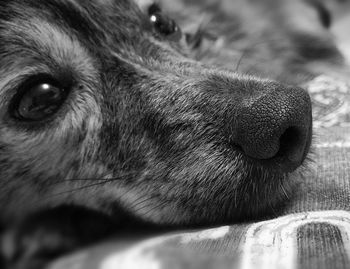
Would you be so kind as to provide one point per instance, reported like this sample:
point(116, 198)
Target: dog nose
point(276, 124)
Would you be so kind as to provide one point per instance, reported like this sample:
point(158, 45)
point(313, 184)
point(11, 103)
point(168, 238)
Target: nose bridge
point(218, 97)
point(264, 119)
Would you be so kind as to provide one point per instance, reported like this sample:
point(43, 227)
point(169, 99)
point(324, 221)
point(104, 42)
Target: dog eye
point(39, 101)
point(325, 16)
point(163, 24)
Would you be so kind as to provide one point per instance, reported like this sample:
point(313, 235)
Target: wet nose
point(277, 124)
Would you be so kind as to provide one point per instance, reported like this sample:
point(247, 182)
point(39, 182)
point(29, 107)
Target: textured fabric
point(321, 239)
point(313, 231)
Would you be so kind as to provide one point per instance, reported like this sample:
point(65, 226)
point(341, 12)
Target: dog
point(113, 114)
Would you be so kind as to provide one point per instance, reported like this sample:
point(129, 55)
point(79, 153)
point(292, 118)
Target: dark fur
point(146, 131)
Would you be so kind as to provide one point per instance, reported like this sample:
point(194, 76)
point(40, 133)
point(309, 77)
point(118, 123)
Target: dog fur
point(146, 129)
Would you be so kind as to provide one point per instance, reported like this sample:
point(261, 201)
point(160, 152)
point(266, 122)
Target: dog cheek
point(37, 165)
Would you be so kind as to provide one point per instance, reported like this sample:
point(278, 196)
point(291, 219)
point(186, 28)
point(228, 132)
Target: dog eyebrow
point(49, 38)
point(36, 43)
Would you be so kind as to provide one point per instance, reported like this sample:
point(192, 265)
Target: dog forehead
point(44, 4)
point(100, 25)
point(76, 13)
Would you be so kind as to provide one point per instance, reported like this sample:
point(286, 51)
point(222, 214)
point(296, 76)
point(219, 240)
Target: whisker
point(152, 208)
point(80, 188)
point(100, 182)
point(120, 177)
point(241, 58)
point(284, 191)
point(139, 201)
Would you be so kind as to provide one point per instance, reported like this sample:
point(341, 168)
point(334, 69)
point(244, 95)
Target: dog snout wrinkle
point(277, 125)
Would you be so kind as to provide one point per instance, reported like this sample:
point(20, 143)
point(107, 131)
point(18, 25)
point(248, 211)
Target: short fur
point(146, 130)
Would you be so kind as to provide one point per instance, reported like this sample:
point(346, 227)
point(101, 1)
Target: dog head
point(101, 106)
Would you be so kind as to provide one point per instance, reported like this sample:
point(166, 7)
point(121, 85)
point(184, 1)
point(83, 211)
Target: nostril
point(274, 129)
point(293, 144)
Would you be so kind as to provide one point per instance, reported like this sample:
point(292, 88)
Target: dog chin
point(262, 196)
point(263, 193)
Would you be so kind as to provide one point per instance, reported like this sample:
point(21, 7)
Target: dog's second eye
point(164, 25)
point(39, 102)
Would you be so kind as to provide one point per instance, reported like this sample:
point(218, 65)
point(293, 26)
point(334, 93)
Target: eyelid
point(154, 8)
